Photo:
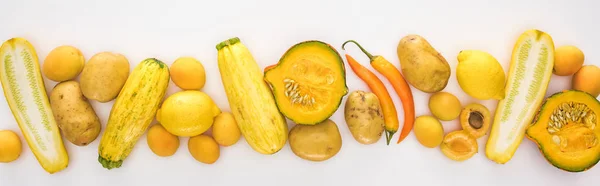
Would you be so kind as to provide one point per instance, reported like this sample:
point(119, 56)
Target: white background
point(171, 29)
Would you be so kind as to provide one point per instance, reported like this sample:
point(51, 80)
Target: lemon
point(480, 75)
point(187, 113)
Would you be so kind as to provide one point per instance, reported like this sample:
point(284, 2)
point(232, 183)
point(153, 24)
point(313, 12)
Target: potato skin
point(317, 142)
point(364, 117)
point(103, 76)
point(74, 115)
point(422, 66)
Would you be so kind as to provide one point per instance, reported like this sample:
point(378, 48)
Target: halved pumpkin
point(566, 130)
point(308, 82)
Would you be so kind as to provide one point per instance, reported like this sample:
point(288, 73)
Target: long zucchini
point(250, 99)
point(25, 93)
point(134, 109)
point(530, 71)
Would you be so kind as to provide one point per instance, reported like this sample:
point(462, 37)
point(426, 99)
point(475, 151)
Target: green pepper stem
point(361, 48)
point(388, 136)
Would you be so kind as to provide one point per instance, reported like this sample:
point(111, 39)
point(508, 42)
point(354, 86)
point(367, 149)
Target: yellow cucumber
point(250, 99)
point(134, 109)
point(25, 93)
point(530, 71)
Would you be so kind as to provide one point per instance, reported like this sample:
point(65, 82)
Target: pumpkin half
point(308, 82)
point(566, 130)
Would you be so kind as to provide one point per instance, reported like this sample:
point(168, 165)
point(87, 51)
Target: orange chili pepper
point(392, 74)
point(387, 105)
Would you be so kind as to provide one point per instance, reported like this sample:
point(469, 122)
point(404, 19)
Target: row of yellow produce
point(307, 86)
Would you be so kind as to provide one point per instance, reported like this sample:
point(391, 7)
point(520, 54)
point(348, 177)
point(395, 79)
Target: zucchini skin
point(250, 99)
point(133, 111)
point(25, 92)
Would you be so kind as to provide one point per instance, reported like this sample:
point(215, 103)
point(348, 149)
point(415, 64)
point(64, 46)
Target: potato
point(364, 117)
point(316, 142)
point(422, 66)
point(103, 76)
point(74, 115)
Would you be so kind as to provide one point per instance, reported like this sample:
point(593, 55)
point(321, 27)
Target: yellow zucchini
point(528, 77)
point(134, 109)
point(250, 99)
point(25, 93)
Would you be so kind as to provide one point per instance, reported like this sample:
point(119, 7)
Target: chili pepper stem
point(371, 57)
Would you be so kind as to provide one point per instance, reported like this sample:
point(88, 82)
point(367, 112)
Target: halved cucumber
point(530, 71)
point(26, 96)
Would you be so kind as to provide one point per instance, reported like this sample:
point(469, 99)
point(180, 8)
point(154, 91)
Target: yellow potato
point(10, 146)
point(364, 117)
point(103, 76)
point(422, 66)
point(204, 149)
point(73, 113)
point(161, 142)
point(63, 63)
point(225, 129)
point(316, 142)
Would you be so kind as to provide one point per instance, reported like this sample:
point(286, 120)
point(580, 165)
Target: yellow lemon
point(63, 63)
point(188, 73)
point(480, 75)
point(187, 113)
point(225, 129)
point(10, 146)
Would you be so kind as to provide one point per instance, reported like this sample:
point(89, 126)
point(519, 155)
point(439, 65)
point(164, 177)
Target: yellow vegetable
point(74, 115)
point(188, 73)
point(161, 142)
point(529, 74)
point(10, 146)
point(225, 129)
point(317, 142)
point(134, 109)
point(187, 113)
point(422, 66)
point(364, 117)
point(204, 149)
point(25, 93)
point(103, 76)
point(250, 99)
point(63, 63)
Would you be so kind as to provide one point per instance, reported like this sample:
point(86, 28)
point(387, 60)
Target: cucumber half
point(25, 93)
point(530, 71)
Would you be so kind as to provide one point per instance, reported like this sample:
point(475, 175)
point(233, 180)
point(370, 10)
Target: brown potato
point(316, 142)
point(364, 117)
point(74, 115)
point(103, 76)
point(422, 66)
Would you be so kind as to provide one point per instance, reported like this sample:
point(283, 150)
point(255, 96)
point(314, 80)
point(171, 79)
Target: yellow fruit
point(587, 79)
point(10, 146)
point(459, 145)
point(63, 63)
point(444, 106)
point(567, 60)
point(161, 142)
point(188, 73)
point(187, 113)
point(204, 149)
point(225, 129)
point(429, 131)
point(480, 75)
